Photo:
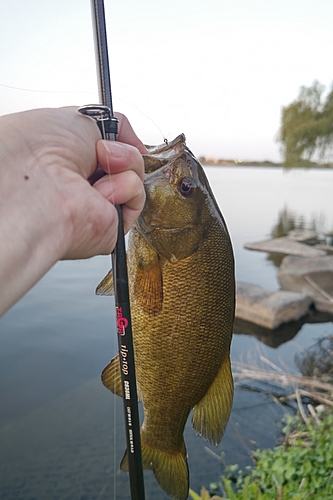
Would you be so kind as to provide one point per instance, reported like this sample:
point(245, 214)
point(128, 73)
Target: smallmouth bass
point(182, 292)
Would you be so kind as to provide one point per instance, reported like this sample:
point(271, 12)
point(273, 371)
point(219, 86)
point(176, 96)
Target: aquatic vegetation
point(317, 361)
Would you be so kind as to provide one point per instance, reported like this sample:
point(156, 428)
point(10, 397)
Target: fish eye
point(186, 187)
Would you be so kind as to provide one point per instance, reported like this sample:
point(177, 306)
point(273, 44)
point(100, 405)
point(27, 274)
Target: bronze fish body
point(182, 292)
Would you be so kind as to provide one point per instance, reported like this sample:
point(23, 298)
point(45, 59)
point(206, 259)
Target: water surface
point(61, 431)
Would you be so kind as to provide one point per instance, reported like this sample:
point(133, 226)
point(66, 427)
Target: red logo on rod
point(122, 322)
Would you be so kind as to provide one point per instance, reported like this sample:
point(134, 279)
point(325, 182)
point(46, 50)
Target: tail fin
point(170, 469)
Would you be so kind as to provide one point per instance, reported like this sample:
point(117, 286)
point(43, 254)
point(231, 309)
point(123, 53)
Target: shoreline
point(211, 162)
point(259, 165)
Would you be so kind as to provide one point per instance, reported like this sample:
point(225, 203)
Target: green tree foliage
point(306, 131)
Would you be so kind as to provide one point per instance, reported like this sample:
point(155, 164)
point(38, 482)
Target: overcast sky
point(217, 70)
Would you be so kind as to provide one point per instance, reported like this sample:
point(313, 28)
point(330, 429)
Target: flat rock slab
point(268, 308)
point(326, 248)
point(304, 236)
point(272, 338)
point(286, 246)
point(312, 276)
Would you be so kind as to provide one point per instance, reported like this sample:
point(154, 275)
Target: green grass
point(299, 469)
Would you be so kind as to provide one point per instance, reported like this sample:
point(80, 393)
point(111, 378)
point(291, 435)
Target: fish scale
point(182, 291)
point(183, 370)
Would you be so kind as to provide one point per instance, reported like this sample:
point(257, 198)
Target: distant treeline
point(204, 160)
point(305, 135)
point(247, 163)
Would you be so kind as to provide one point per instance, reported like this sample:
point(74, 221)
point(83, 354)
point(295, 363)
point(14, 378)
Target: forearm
point(22, 263)
point(32, 233)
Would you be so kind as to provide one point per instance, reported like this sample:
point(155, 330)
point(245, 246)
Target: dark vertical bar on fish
point(121, 292)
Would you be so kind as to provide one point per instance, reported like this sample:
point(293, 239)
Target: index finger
point(115, 157)
point(126, 134)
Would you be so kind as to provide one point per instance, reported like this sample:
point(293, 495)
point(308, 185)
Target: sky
point(218, 71)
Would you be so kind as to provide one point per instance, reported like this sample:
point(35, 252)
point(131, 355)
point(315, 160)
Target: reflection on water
point(71, 447)
point(60, 449)
point(288, 220)
point(282, 334)
point(272, 338)
point(61, 432)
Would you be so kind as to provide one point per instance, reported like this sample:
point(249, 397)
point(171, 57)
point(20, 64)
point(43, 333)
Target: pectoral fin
point(211, 414)
point(106, 286)
point(111, 376)
point(145, 271)
point(148, 288)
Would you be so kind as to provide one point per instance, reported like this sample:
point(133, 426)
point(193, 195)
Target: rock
point(286, 246)
point(312, 276)
point(304, 236)
point(268, 308)
point(325, 248)
point(272, 338)
point(281, 334)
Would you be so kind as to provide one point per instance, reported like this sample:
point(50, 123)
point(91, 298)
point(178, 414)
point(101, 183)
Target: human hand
point(58, 150)
point(48, 209)
point(123, 184)
point(121, 160)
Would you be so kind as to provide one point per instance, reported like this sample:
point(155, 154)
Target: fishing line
point(144, 114)
point(44, 91)
point(102, 116)
point(103, 131)
point(22, 89)
point(114, 442)
point(115, 399)
point(107, 123)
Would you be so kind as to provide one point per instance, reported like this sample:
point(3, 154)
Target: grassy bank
point(301, 467)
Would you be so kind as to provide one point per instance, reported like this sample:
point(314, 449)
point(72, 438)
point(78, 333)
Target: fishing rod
point(108, 126)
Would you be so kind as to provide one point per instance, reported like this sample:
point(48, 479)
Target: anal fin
point(111, 376)
point(211, 414)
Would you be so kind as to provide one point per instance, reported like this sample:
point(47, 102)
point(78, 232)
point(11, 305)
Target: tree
point(306, 132)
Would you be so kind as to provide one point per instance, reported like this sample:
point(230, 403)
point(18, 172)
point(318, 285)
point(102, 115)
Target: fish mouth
point(159, 156)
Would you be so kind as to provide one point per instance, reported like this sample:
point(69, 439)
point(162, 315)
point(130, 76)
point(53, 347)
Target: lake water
point(61, 431)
